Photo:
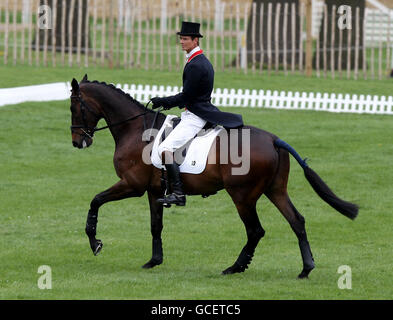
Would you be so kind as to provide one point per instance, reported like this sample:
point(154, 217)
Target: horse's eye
point(72, 108)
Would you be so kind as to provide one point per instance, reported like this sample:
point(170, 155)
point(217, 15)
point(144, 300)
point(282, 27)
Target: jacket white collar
point(188, 55)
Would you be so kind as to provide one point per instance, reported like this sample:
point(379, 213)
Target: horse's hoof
point(97, 247)
point(236, 268)
point(227, 271)
point(304, 274)
point(152, 263)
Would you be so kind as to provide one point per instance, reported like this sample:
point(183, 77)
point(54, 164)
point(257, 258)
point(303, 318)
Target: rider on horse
point(198, 79)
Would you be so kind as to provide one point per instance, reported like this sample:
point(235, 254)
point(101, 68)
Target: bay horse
point(268, 172)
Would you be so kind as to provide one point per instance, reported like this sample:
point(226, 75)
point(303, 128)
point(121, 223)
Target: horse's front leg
point(120, 190)
point(156, 210)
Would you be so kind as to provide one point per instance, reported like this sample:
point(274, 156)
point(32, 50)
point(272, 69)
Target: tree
point(265, 30)
point(345, 22)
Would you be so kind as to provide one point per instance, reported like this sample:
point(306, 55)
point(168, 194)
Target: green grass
point(46, 186)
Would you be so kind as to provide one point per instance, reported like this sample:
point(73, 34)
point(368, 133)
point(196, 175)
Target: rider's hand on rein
point(159, 102)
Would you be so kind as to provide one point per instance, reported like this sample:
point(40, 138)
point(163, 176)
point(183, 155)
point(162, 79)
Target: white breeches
point(188, 128)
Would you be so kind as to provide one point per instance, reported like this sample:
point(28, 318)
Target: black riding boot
point(177, 196)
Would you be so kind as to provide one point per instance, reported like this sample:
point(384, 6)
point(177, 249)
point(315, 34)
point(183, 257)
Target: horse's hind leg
point(282, 201)
point(255, 232)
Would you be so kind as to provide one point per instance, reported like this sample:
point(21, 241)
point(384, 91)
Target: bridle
point(89, 131)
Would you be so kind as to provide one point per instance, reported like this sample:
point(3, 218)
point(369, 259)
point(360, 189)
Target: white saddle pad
point(198, 149)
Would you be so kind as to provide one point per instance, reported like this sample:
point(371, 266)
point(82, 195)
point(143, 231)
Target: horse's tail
point(348, 209)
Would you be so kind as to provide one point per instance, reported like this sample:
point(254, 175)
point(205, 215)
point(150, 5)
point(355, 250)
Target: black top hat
point(190, 29)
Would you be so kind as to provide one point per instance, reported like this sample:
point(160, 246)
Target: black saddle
point(207, 126)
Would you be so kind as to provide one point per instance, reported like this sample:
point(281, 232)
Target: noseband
point(89, 131)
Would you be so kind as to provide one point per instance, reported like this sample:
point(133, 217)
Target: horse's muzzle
point(83, 143)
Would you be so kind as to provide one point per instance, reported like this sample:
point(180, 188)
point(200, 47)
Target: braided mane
point(119, 91)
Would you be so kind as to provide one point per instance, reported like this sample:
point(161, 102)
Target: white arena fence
point(331, 102)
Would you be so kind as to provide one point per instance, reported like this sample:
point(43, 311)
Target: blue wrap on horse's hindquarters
point(282, 144)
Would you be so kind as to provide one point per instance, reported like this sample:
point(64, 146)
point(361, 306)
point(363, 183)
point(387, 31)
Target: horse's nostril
point(75, 144)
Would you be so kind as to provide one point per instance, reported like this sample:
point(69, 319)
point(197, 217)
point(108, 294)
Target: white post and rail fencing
point(223, 97)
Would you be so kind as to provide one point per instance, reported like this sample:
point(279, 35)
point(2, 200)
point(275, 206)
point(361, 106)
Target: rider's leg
point(187, 129)
point(172, 168)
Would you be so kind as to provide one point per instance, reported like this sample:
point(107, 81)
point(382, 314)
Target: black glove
point(159, 102)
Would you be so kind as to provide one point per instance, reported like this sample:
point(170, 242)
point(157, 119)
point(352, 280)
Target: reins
point(89, 132)
point(120, 122)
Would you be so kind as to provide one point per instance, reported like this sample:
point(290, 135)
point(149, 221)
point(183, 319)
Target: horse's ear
point(84, 78)
point(75, 85)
